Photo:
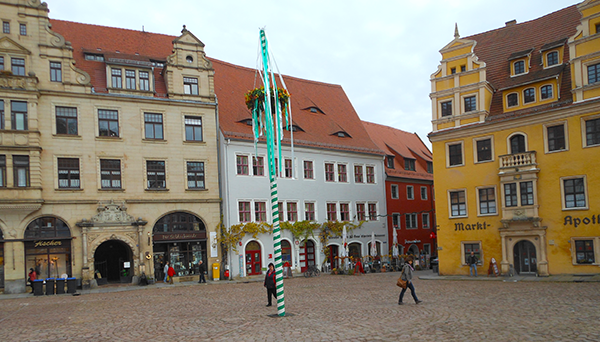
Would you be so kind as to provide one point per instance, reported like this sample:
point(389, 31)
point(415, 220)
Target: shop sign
point(471, 226)
point(46, 243)
point(406, 242)
point(570, 221)
point(179, 236)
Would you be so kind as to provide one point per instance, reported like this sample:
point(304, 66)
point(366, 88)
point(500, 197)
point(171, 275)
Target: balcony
point(518, 162)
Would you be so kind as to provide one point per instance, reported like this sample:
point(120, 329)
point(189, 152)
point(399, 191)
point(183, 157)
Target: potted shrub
point(125, 276)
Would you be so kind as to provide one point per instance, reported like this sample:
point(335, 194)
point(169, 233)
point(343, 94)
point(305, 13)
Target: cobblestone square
point(325, 308)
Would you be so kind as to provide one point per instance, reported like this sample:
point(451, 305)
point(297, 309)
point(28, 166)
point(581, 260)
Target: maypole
point(267, 105)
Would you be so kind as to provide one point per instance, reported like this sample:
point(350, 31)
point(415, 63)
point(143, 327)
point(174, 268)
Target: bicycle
point(312, 271)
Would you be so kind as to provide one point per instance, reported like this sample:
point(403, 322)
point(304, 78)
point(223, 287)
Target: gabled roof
point(319, 129)
point(398, 143)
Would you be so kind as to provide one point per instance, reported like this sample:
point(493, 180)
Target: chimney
point(511, 23)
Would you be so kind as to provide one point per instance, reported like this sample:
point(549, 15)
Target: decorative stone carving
point(113, 213)
point(82, 77)
point(56, 39)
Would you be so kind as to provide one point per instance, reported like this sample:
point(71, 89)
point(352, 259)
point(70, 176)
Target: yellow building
point(516, 142)
point(108, 151)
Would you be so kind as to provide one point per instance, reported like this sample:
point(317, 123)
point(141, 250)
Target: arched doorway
point(377, 247)
point(334, 251)
point(253, 258)
point(113, 261)
point(48, 248)
point(413, 250)
point(307, 255)
point(354, 250)
point(517, 144)
point(525, 257)
point(286, 252)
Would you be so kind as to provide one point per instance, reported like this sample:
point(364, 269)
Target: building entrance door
point(525, 258)
point(113, 260)
point(307, 254)
point(253, 264)
point(331, 258)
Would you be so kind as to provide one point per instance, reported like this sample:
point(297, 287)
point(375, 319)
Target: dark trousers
point(271, 292)
point(202, 279)
point(412, 292)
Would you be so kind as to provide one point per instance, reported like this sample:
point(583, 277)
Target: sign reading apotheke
point(46, 243)
point(576, 221)
point(471, 226)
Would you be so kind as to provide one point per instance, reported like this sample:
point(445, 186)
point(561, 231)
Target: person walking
point(201, 270)
point(32, 277)
point(270, 283)
point(171, 273)
point(166, 271)
point(406, 275)
point(473, 263)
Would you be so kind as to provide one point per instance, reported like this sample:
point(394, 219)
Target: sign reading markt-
point(471, 226)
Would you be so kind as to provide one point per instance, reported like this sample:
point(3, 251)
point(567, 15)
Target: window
point(593, 73)
point(470, 104)
point(429, 167)
point(287, 164)
point(193, 128)
point(519, 67)
point(155, 172)
point(1, 114)
point(5, 27)
point(308, 170)
point(455, 154)
point(484, 150)
point(463, 68)
point(360, 211)
point(510, 195)
point(446, 108)
point(329, 173)
point(242, 165)
point(309, 211)
point(409, 164)
point(425, 219)
point(93, 57)
point(512, 100)
point(389, 161)
point(574, 192)
point(598, 28)
point(472, 247)
point(55, 72)
point(528, 95)
point(517, 144)
point(130, 79)
point(358, 174)
point(342, 173)
point(344, 212)
point(18, 66)
point(370, 174)
point(18, 115)
point(66, 120)
point(584, 250)
point(108, 123)
point(487, 201)
point(452, 71)
point(546, 92)
point(195, 175)
point(153, 124)
point(396, 221)
point(190, 86)
point(244, 211)
point(552, 58)
point(116, 80)
point(526, 193)
point(556, 137)
point(21, 171)
point(280, 211)
point(68, 173)
point(110, 173)
point(2, 171)
point(411, 221)
point(260, 211)
point(144, 80)
point(458, 203)
point(331, 212)
point(592, 132)
point(410, 192)
point(258, 166)
point(373, 211)
point(23, 29)
point(1, 63)
point(292, 211)
point(394, 191)
point(423, 193)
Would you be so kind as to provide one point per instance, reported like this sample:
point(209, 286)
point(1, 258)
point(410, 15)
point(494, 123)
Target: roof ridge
point(112, 27)
point(386, 126)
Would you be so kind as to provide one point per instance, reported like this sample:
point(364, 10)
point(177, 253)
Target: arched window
point(286, 251)
point(354, 250)
point(528, 95)
point(512, 100)
point(517, 144)
point(179, 222)
point(546, 92)
point(47, 228)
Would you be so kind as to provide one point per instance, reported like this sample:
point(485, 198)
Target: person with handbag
point(406, 276)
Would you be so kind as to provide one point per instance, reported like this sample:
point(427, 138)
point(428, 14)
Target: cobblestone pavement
point(325, 308)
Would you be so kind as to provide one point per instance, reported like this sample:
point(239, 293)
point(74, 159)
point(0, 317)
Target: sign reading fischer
point(470, 226)
point(50, 243)
point(569, 220)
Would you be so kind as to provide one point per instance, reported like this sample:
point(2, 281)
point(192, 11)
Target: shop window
point(354, 250)
point(286, 252)
point(258, 166)
point(584, 250)
point(179, 222)
point(48, 260)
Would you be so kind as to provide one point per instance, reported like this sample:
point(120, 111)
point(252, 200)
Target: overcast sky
point(381, 52)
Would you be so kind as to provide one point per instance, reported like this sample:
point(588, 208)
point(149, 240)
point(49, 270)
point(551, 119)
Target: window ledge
point(98, 137)
point(68, 189)
point(158, 141)
point(194, 142)
point(157, 190)
point(112, 189)
point(68, 136)
point(578, 208)
point(192, 189)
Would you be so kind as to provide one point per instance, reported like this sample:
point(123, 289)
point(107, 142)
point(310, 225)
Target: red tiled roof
point(401, 144)
point(496, 47)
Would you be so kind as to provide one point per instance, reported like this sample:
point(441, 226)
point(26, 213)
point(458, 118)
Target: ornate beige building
point(108, 150)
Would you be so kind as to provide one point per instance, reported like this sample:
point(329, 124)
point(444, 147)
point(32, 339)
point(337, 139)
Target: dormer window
point(246, 121)
point(342, 134)
point(512, 100)
point(552, 58)
point(94, 57)
point(189, 59)
point(390, 161)
point(528, 95)
point(190, 86)
point(546, 92)
point(519, 67)
point(314, 109)
point(294, 128)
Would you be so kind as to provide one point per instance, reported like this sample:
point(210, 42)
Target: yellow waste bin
point(216, 271)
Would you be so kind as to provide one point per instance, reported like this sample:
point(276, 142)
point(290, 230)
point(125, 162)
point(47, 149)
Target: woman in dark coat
point(270, 283)
point(407, 274)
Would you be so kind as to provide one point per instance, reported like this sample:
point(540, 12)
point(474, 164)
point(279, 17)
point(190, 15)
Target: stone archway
point(113, 261)
point(123, 239)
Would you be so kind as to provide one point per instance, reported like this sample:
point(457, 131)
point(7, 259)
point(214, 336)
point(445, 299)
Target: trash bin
point(216, 271)
point(435, 269)
point(71, 285)
point(287, 270)
point(49, 286)
point(60, 285)
point(38, 287)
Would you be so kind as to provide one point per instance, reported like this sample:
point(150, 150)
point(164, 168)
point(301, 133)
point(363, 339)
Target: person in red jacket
point(270, 283)
point(171, 273)
point(32, 277)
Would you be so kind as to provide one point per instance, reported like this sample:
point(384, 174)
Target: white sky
point(381, 52)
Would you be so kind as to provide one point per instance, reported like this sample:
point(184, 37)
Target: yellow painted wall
point(462, 51)
point(591, 93)
point(446, 125)
point(591, 46)
point(591, 10)
point(468, 121)
point(444, 84)
point(469, 79)
point(538, 98)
